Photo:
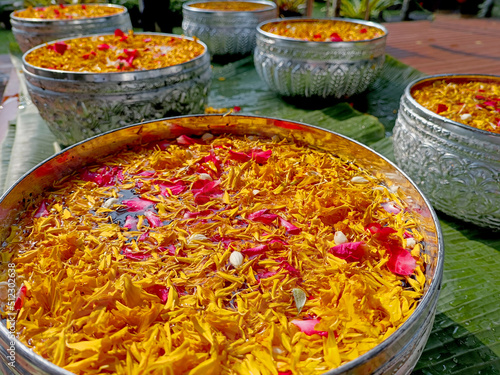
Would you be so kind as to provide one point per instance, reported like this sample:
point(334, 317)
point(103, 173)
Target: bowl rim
point(431, 292)
point(324, 43)
point(495, 137)
point(68, 75)
point(187, 6)
point(74, 20)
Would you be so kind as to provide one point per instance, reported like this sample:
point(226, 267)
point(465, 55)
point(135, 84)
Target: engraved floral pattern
point(76, 110)
point(225, 34)
point(458, 171)
point(293, 68)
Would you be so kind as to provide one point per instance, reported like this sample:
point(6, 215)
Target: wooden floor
point(448, 44)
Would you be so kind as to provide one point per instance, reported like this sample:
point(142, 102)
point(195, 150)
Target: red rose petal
point(59, 47)
point(334, 37)
point(104, 176)
point(260, 156)
point(160, 291)
point(103, 47)
point(289, 268)
point(239, 156)
point(21, 295)
point(441, 108)
point(261, 249)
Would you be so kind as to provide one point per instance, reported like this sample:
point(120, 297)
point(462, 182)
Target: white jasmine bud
point(339, 238)
point(110, 202)
point(236, 259)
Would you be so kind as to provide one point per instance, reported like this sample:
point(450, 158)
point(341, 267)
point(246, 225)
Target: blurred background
point(161, 12)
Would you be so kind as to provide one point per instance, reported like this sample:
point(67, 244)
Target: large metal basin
point(456, 165)
point(293, 67)
point(398, 354)
point(77, 106)
point(226, 32)
point(30, 32)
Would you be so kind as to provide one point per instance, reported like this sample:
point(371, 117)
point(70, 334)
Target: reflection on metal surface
point(294, 67)
point(33, 32)
point(396, 355)
point(456, 165)
point(226, 33)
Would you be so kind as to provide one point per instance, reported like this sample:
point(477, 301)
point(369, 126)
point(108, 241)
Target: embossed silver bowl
point(457, 166)
point(78, 105)
point(293, 67)
point(226, 32)
point(398, 354)
point(30, 32)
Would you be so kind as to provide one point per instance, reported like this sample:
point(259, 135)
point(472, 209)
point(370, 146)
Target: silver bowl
point(456, 165)
point(226, 32)
point(398, 354)
point(293, 67)
point(77, 105)
point(31, 32)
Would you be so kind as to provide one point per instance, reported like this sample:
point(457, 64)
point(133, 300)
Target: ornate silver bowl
point(77, 106)
point(226, 32)
point(456, 165)
point(398, 354)
point(30, 32)
point(293, 67)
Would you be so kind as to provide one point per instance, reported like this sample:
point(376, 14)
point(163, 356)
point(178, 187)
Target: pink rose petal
point(262, 216)
point(350, 251)
point(401, 262)
point(153, 219)
point(42, 210)
point(186, 141)
point(290, 228)
point(137, 204)
point(133, 255)
point(307, 327)
point(131, 223)
point(379, 231)
point(170, 249)
point(391, 207)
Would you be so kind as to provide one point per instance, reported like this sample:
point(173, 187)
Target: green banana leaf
point(237, 84)
point(466, 335)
